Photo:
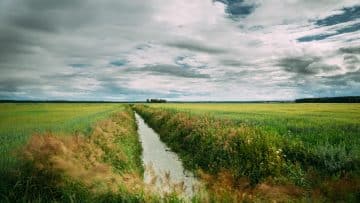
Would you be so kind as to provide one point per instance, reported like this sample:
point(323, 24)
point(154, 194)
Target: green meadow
point(327, 126)
point(22, 124)
point(312, 146)
point(19, 121)
point(241, 152)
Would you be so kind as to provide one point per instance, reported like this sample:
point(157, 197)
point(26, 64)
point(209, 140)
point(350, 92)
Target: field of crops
point(69, 152)
point(327, 129)
point(19, 121)
point(251, 152)
point(312, 146)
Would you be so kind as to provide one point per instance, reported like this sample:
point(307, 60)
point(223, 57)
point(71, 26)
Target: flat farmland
point(312, 146)
point(333, 124)
point(52, 152)
point(93, 152)
point(19, 121)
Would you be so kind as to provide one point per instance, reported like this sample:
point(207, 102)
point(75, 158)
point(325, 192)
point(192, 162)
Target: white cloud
point(41, 39)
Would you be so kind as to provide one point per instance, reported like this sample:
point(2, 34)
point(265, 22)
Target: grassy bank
point(68, 165)
point(19, 121)
point(325, 135)
point(310, 148)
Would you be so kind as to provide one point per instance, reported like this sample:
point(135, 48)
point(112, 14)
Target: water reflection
point(163, 168)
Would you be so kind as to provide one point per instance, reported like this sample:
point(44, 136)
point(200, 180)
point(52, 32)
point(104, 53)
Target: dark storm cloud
point(237, 8)
point(196, 47)
point(47, 16)
point(169, 70)
point(305, 65)
point(26, 25)
point(348, 14)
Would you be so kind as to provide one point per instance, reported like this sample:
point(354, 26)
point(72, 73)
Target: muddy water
point(163, 168)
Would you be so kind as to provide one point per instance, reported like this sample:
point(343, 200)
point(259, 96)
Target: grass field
point(19, 121)
point(69, 152)
point(326, 127)
point(91, 152)
point(303, 144)
point(333, 126)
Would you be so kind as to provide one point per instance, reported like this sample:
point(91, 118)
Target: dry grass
point(223, 187)
point(254, 160)
point(87, 160)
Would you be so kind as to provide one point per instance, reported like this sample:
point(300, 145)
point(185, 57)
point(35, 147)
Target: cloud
point(15, 84)
point(352, 62)
point(350, 50)
point(305, 65)
point(347, 14)
point(196, 46)
point(179, 49)
point(347, 29)
point(118, 62)
point(232, 62)
point(344, 79)
point(79, 65)
point(238, 8)
point(169, 70)
point(345, 21)
point(351, 59)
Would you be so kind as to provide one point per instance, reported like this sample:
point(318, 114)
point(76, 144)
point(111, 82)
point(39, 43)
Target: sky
point(183, 50)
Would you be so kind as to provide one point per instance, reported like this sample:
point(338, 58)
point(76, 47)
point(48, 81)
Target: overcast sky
point(179, 49)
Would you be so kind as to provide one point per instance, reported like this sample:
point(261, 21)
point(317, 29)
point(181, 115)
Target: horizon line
point(357, 98)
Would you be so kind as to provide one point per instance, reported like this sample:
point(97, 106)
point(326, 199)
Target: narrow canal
point(163, 168)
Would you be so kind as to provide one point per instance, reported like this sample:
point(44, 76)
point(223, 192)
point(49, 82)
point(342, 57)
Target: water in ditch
point(163, 168)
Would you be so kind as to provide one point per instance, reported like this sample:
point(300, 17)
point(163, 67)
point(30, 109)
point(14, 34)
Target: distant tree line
point(156, 101)
point(350, 99)
point(65, 101)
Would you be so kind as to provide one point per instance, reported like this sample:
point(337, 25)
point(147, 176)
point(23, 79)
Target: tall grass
point(67, 165)
point(277, 146)
point(19, 121)
point(214, 145)
point(95, 158)
point(325, 136)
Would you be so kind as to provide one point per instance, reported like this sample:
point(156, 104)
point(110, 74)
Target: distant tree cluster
point(156, 101)
point(350, 99)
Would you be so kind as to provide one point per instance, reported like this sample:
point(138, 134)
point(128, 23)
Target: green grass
point(325, 129)
point(19, 121)
point(243, 139)
point(80, 153)
point(309, 145)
